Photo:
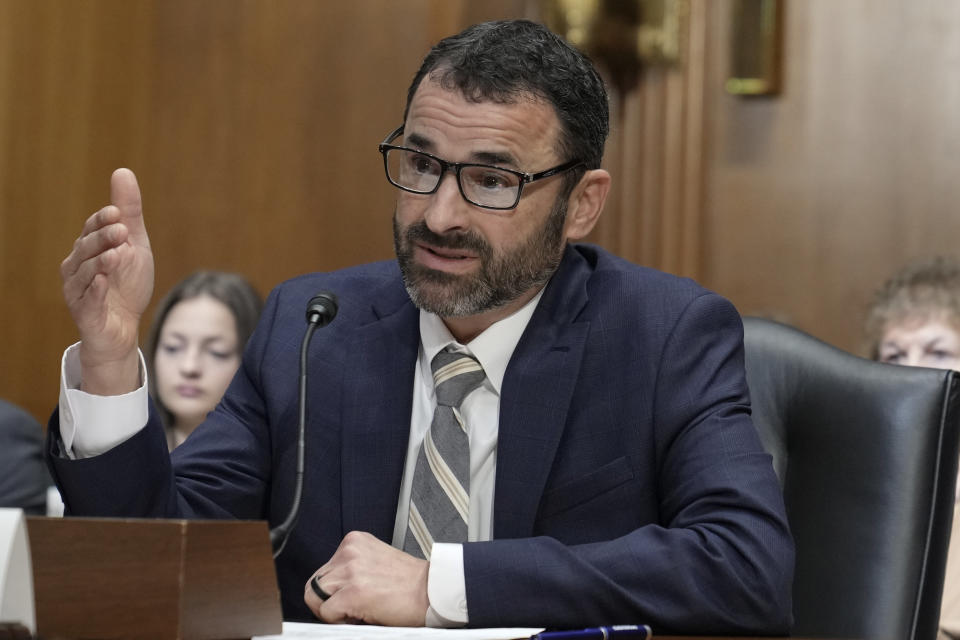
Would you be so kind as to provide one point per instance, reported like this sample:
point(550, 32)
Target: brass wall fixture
point(621, 35)
point(755, 38)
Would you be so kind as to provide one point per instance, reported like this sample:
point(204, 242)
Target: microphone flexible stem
point(280, 534)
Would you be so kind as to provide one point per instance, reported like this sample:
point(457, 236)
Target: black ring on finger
point(315, 585)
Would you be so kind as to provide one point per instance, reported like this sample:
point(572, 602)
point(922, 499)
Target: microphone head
point(322, 309)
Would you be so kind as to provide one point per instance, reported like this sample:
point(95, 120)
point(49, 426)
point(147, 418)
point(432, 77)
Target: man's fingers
point(77, 285)
point(317, 589)
point(108, 215)
point(92, 245)
point(340, 608)
point(314, 595)
point(330, 610)
point(95, 292)
point(111, 226)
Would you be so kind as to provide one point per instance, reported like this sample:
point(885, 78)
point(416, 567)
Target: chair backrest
point(867, 457)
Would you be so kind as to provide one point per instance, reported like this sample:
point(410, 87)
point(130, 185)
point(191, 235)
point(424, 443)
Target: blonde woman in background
point(194, 346)
point(915, 320)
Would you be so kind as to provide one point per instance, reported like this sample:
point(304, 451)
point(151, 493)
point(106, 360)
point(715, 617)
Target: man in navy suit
point(614, 472)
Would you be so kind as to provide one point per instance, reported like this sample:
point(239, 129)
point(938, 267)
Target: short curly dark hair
point(923, 289)
point(506, 61)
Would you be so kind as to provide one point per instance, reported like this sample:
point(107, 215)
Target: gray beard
point(502, 278)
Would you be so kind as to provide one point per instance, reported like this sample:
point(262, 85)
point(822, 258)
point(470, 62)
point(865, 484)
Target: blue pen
point(616, 632)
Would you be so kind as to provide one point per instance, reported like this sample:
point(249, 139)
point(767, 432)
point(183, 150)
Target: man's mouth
point(442, 259)
point(449, 254)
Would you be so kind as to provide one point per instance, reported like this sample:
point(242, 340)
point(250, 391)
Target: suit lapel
point(537, 389)
point(378, 389)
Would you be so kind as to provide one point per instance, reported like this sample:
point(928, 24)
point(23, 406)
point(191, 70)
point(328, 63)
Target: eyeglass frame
point(446, 165)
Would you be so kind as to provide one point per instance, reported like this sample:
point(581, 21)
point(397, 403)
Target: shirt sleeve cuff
point(91, 425)
point(446, 587)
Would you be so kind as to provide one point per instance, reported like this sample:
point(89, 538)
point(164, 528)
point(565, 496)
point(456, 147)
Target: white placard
point(16, 571)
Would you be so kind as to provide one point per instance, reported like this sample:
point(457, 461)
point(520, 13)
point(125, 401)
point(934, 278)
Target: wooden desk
point(145, 578)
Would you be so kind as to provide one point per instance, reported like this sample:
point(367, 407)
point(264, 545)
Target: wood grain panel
point(815, 196)
point(653, 213)
point(252, 126)
point(153, 579)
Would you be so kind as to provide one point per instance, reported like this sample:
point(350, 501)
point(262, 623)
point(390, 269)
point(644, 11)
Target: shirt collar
point(492, 348)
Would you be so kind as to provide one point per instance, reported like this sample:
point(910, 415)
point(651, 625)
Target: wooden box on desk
point(164, 579)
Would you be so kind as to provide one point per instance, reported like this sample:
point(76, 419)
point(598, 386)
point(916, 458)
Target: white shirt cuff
point(91, 425)
point(446, 587)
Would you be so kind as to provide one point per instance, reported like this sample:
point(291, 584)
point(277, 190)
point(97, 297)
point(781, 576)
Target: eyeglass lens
point(481, 185)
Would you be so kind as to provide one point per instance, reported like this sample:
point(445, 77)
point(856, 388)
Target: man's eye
point(422, 164)
point(891, 358)
point(491, 180)
point(494, 182)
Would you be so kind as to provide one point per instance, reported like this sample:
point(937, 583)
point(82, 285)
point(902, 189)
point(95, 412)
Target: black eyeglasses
point(480, 184)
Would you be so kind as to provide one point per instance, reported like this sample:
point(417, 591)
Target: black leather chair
point(867, 457)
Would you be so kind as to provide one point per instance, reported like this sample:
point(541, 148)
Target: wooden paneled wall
point(813, 197)
point(796, 206)
point(253, 125)
point(655, 155)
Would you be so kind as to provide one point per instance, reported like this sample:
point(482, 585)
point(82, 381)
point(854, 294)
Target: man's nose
point(447, 210)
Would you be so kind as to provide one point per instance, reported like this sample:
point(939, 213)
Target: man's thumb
point(125, 193)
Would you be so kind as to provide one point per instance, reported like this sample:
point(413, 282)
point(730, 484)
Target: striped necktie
point(440, 498)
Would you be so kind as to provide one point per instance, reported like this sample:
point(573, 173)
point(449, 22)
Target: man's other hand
point(369, 581)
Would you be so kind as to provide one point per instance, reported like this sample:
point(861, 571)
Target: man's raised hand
point(107, 283)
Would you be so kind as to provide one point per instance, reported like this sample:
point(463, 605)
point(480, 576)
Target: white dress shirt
point(493, 348)
point(91, 425)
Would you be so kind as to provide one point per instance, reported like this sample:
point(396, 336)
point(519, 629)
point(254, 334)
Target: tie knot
point(454, 376)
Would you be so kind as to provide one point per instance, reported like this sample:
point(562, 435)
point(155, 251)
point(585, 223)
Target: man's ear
point(586, 203)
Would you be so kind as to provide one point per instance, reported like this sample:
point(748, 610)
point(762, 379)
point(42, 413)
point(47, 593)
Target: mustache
point(419, 231)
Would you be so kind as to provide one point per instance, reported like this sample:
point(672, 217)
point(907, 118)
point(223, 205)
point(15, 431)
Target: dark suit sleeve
point(222, 471)
point(718, 558)
point(24, 479)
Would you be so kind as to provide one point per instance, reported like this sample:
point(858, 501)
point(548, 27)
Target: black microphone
point(321, 310)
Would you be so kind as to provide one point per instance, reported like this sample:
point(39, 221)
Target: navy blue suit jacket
point(631, 485)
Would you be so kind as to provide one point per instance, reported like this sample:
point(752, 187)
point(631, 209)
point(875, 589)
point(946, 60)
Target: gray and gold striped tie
point(440, 498)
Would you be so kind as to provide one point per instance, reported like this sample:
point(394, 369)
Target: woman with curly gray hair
point(915, 316)
point(915, 321)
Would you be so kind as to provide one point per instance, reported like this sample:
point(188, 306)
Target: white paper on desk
point(308, 631)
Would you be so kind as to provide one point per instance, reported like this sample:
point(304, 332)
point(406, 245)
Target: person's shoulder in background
point(25, 479)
